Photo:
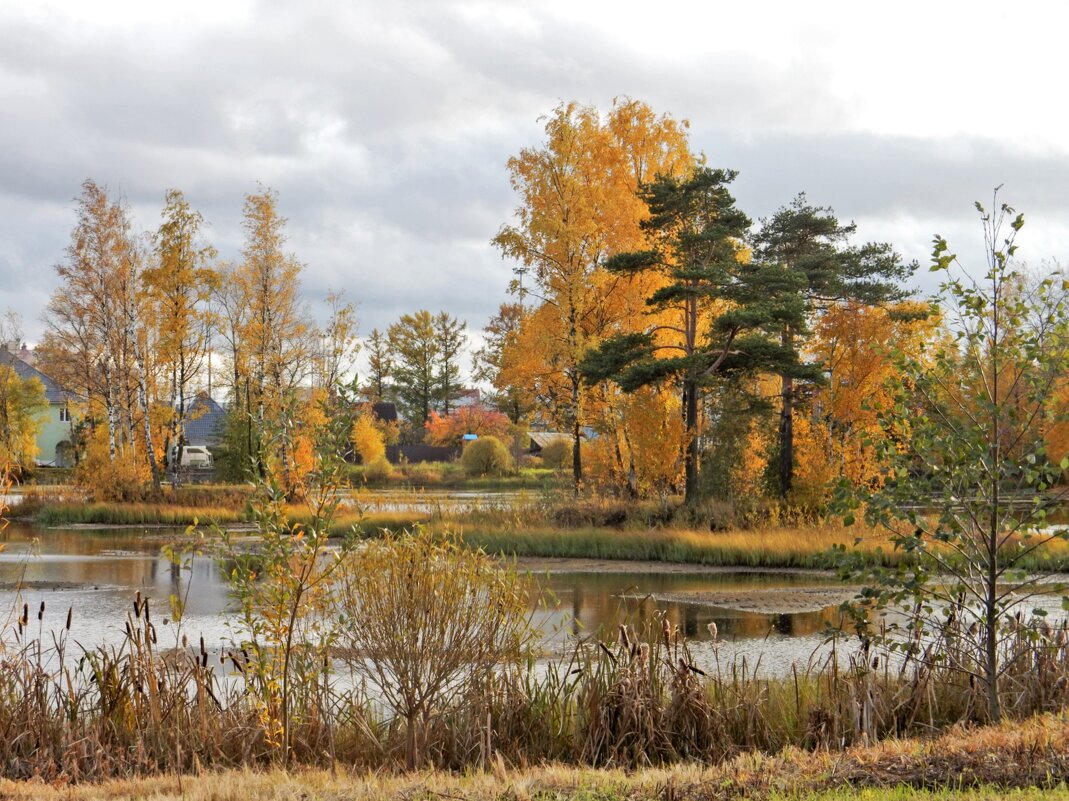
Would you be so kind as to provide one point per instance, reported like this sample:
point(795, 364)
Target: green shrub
point(486, 456)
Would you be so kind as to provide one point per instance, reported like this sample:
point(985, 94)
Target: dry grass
point(1031, 757)
point(763, 547)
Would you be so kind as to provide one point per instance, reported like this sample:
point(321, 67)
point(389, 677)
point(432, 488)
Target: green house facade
point(54, 436)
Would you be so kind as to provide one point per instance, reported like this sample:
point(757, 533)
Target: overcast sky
point(385, 126)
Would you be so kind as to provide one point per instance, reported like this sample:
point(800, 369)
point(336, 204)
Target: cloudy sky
point(385, 126)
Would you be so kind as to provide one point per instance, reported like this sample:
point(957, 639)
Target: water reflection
point(98, 573)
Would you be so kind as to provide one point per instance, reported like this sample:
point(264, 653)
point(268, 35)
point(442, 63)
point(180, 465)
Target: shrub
point(378, 471)
point(557, 454)
point(427, 622)
point(123, 480)
point(486, 456)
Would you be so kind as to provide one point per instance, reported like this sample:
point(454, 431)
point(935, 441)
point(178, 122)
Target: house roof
point(204, 421)
point(53, 392)
point(544, 438)
point(384, 411)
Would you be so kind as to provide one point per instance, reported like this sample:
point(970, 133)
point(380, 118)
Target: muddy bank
point(782, 601)
point(560, 565)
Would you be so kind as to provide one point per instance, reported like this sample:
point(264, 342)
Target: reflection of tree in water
point(602, 610)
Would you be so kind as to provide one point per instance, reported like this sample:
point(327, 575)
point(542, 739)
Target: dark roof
point(53, 392)
point(386, 412)
point(204, 421)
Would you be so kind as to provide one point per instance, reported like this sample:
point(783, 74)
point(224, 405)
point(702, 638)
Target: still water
point(769, 618)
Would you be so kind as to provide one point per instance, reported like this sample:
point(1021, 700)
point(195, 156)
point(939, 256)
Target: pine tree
point(810, 242)
point(380, 366)
point(450, 336)
point(713, 305)
point(413, 341)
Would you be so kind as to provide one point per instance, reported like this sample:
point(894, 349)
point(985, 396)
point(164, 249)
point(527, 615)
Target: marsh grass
point(520, 527)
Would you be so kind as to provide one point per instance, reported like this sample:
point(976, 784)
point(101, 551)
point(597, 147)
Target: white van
point(196, 456)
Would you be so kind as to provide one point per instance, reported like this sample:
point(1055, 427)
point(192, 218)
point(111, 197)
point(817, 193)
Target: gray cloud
point(386, 128)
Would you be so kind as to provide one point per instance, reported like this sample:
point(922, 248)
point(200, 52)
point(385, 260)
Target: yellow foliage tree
point(22, 407)
point(578, 205)
point(368, 440)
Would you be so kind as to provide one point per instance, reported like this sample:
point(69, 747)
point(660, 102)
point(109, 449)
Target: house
point(54, 437)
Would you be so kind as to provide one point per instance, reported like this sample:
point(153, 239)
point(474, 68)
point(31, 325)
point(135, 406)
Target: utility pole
point(520, 271)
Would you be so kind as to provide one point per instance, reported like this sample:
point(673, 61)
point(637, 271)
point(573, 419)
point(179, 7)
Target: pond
point(771, 618)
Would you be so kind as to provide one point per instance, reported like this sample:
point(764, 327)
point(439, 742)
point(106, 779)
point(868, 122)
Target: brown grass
point(1030, 755)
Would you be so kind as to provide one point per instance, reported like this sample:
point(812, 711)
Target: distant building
point(467, 397)
point(54, 437)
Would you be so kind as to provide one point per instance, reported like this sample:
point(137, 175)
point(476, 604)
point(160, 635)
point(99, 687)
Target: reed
point(640, 700)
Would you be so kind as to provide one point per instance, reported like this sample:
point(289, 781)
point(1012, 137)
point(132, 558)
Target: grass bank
point(807, 547)
point(450, 475)
point(527, 530)
point(1026, 762)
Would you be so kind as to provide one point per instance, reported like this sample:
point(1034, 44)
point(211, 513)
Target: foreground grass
point(1025, 760)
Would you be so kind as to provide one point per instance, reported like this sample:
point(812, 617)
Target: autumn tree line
point(142, 322)
point(682, 347)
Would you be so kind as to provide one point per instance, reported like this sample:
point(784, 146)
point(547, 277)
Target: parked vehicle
point(196, 456)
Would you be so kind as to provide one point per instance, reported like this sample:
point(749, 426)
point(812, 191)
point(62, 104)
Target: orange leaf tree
point(577, 207)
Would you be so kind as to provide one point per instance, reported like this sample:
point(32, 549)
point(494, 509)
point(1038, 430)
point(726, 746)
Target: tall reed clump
point(645, 700)
point(129, 709)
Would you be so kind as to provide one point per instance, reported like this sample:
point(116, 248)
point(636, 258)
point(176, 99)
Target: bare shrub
point(425, 621)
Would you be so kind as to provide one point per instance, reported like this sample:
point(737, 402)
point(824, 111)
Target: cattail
point(666, 630)
point(608, 653)
point(41, 611)
point(624, 641)
point(713, 631)
point(70, 613)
